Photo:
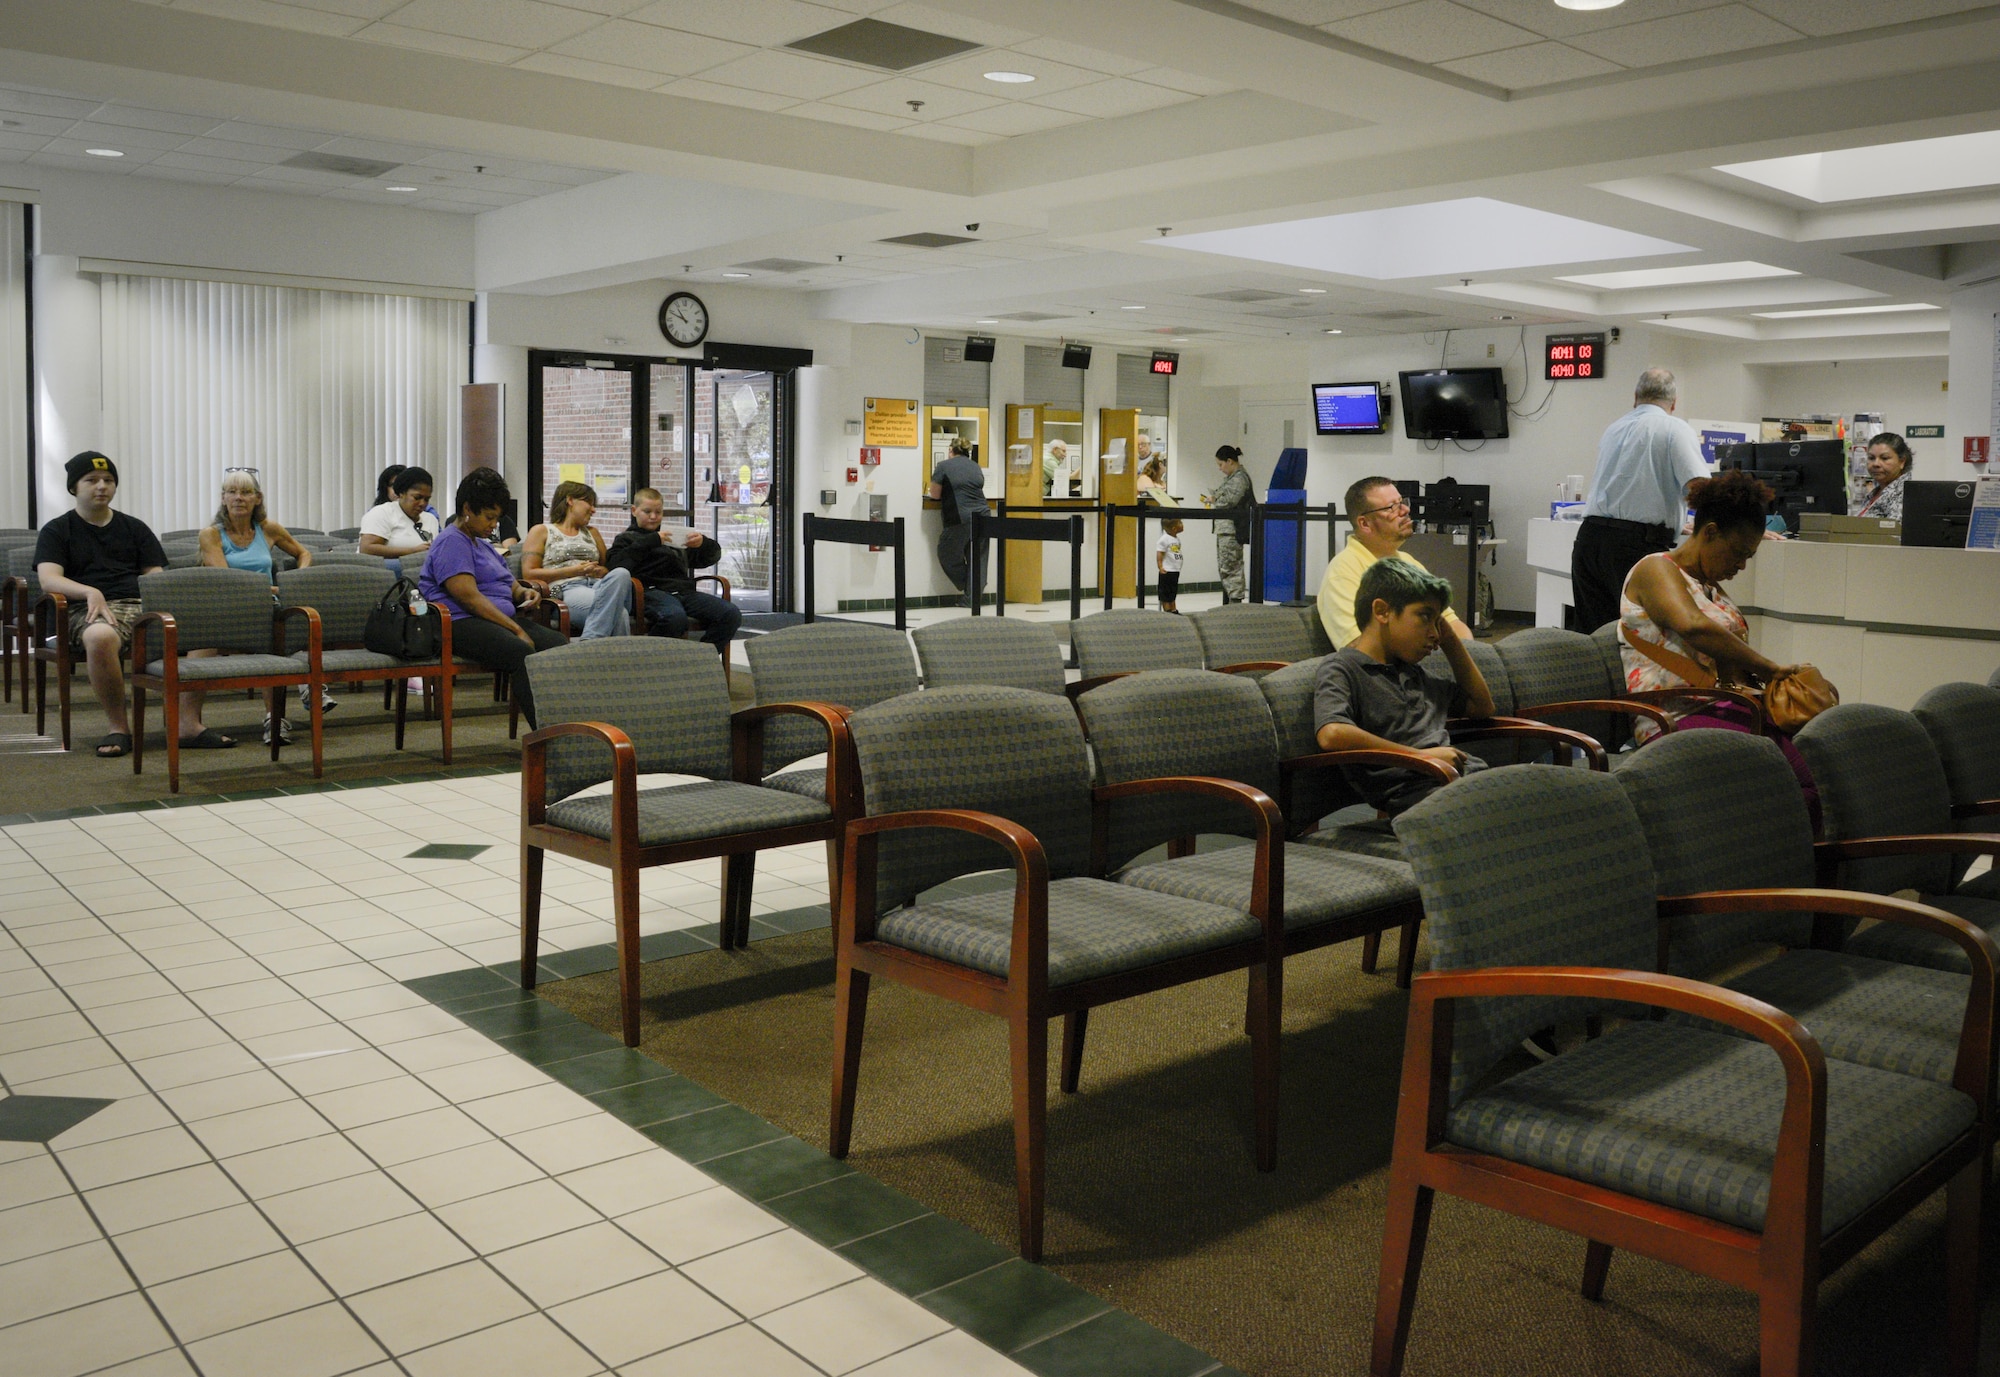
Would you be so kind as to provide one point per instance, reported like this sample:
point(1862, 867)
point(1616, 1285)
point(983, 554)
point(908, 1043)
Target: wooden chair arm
point(1267, 887)
point(1401, 760)
point(1658, 716)
point(50, 607)
point(1980, 808)
point(1253, 667)
point(1478, 729)
point(1916, 844)
point(314, 642)
point(746, 737)
point(624, 775)
point(169, 641)
point(1751, 701)
point(719, 579)
point(1083, 686)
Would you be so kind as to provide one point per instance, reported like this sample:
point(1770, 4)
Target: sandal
point(120, 744)
point(209, 740)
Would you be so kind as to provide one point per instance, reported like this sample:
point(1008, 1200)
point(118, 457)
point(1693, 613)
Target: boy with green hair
point(1372, 696)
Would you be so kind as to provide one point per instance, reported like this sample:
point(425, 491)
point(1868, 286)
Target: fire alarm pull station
point(1977, 448)
point(854, 475)
point(871, 454)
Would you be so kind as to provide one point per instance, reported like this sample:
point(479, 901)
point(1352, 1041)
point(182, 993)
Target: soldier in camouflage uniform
point(1234, 491)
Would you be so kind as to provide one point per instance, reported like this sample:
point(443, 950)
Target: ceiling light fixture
point(1330, 332)
point(1180, 339)
point(1588, 4)
point(1847, 311)
point(1131, 308)
point(1010, 78)
point(736, 274)
point(1313, 291)
point(994, 321)
point(105, 152)
point(399, 188)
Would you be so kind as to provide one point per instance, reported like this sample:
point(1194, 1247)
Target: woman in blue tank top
point(242, 537)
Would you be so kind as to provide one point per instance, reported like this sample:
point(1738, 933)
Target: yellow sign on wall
point(890, 422)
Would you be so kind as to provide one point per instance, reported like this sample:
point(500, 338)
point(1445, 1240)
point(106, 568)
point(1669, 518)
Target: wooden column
point(1119, 489)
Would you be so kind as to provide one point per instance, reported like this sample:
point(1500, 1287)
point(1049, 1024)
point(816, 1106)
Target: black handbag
point(394, 629)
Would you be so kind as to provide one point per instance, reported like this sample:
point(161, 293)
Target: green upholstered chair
point(20, 588)
point(344, 594)
point(1562, 677)
point(226, 610)
point(1745, 1155)
point(616, 708)
point(1993, 679)
point(1963, 723)
point(1015, 794)
point(1722, 812)
point(1888, 826)
point(1493, 670)
point(1127, 640)
point(1316, 637)
point(1251, 637)
point(1008, 652)
point(851, 664)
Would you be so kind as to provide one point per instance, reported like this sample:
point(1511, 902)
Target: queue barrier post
point(990, 530)
point(835, 531)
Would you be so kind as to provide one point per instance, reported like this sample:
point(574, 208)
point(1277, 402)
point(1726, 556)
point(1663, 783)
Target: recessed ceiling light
point(399, 188)
point(987, 322)
point(1313, 291)
point(1742, 271)
point(105, 152)
point(1847, 311)
point(1131, 308)
point(1180, 339)
point(1330, 332)
point(1588, 4)
point(736, 274)
point(1010, 78)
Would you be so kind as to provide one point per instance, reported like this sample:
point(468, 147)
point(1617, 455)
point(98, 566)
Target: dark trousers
point(1603, 555)
point(954, 552)
point(668, 614)
point(1170, 586)
point(496, 648)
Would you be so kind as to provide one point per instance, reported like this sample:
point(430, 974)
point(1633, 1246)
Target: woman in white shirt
point(402, 525)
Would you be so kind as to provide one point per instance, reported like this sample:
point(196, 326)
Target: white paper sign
point(1984, 531)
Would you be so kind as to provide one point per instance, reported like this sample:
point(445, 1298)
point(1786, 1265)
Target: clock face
point(683, 319)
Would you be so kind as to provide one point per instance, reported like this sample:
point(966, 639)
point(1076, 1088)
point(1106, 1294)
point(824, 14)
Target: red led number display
point(1166, 362)
point(1573, 357)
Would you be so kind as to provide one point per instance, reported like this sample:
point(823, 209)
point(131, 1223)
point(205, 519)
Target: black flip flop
point(209, 740)
point(121, 743)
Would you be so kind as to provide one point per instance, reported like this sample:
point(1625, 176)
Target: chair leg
point(274, 703)
point(1404, 1231)
point(531, 912)
point(1965, 1207)
point(402, 708)
point(1371, 951)
point(1785, 1305)
point(65, 671)
point(1596, 1266)
point(1075, 1025)
point(444, 713)
point(850, 1016)
point(738, 875)
point(1028, 1046)
point(138, 725)
point(1267, 999)
point(625, 913)
point(1406, 954)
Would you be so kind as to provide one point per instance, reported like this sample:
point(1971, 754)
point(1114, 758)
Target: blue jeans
point(603, 605)
point(668, 614)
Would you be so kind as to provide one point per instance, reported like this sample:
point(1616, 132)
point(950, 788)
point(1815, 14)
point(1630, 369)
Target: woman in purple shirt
point(467, 577)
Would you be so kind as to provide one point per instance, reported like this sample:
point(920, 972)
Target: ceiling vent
point(1245, 294)
point(928, 240)
point(341, 164)
point(891, 47)
point(1032, 316)
point(1398, 315)
point(779, 265)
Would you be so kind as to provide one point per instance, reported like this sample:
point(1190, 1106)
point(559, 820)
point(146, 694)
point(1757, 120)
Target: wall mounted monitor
point(1076, 356)
point(1454, 404)
point(979, 348)
point(1360, 408)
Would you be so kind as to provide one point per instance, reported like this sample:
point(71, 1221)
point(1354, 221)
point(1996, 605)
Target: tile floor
point(308, 1166)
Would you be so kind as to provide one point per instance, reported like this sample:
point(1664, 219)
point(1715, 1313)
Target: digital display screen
point(1573, 356)
point(1166, 363)
point(1455, 404)
point(1348, 408)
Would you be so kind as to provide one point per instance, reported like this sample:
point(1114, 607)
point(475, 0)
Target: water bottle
point(418, 607)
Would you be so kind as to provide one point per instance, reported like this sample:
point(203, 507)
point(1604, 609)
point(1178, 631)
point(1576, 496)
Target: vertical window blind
point(14, 461)
point(317, 390)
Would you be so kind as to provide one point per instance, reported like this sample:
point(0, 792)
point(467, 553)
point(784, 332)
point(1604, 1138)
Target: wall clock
point(683, 319)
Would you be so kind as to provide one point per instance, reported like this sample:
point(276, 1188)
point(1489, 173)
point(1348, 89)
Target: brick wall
point(587, 420)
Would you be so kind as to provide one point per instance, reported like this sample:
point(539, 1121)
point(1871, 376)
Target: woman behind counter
point(1889, 464)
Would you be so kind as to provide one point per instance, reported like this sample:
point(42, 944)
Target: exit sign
point(1568, 357)
point(1925, 432)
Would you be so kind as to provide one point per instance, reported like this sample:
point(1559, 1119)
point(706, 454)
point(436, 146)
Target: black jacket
point(657, 564)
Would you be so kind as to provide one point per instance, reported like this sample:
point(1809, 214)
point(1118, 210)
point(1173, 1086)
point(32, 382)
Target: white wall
point(68, 370)
point(1975, 314)
point(1906, 391)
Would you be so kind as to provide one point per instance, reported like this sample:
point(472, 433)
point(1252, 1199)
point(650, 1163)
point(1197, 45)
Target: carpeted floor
point(1153, 1202)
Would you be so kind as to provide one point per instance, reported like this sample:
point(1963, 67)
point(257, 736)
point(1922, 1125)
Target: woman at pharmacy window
point(1889, 464)
point(567, 554)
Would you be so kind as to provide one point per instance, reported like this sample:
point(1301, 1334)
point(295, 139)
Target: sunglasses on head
point(239, 470)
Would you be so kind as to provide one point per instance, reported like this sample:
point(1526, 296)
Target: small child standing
point(1167, 558)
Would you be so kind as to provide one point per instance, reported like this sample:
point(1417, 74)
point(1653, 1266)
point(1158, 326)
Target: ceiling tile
point(674, 52)
point(893, 97)
point(518, 23)
point(945, 133)
point(1709, 33)
point(133, 155)
point(840, 114)
point(16, 142)
point(968, 73)
point(1551, 21)
point(1076, 55)
point(1110, 99)
point(1317, 12)
point(1016, 119)
point(446, 207)
point(790, 75)
point(473, 49)
point(272, 135)
point(112, 136)
point(953, 25)
point(556, 64)
point(243, 152)
point(78, 162)
point(42, 126)
point(358, 9)
point(1431, 31)
point(610, 9)
point(184, 174)
point(373, 149)
point(281, 16)
point(1175, 80)
point(132, 117)
point(194, 162)
point(1822, 17)
point(37, 103)
point(754, 22)
point(1536, 64)
point(694, 88)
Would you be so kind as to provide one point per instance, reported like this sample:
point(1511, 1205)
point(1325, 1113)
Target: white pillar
point(68, 373)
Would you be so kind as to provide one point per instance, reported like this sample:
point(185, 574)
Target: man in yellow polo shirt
point(1381, 518)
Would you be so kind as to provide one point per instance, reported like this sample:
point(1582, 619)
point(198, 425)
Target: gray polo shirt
point(964, 489)
point(1397, 702)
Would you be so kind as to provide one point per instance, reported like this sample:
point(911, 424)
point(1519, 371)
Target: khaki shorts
point(124, 615)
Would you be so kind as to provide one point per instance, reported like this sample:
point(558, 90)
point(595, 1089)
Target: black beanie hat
point(86, 462)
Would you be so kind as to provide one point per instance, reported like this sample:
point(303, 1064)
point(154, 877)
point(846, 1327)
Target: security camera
point(972, 228)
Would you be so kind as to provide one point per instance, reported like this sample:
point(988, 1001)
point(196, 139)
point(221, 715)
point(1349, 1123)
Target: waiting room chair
point(1888, 826)
point(1127, 640)
point(1963, 723)
point(343, 596)
point(347, 556)
point(625, 706)
point(641, 627)
point(1993, 679)
point(1562, 677)
point(192, 534)
point(227, 610)
point(1316, 637)
point(1006, 652)
point(945, 801)
point(1675, 1139)
point(351, 534)
point(21, 587)
point(1251, 638)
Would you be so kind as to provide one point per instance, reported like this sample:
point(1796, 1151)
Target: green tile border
point(1046, 1324)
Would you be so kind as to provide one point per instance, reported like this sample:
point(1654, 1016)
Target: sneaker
point(327, 702)
point(284, 730)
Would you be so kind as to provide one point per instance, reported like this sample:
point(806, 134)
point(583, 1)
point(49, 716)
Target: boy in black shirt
point(667, 571)
point(93, 556)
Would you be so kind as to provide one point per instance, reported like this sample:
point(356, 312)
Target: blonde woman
point(242, 536)
point(567, 554)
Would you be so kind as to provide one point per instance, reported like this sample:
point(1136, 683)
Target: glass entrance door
point(736, 475)
point(587, 413)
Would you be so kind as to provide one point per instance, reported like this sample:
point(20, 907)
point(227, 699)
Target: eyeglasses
point(239, 470)
point(1401, 504)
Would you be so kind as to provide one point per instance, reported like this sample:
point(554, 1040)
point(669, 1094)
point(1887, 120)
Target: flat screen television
point(1454, 404)
point(1350, 408)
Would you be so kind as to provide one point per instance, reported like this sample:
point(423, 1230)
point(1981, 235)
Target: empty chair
point(350, 534)
point(1963, 723)
point(1129, 641)
point(343, 595)
point(849, 664)
point(1672, 1138)
point(1563, 677)
point(305, 530)
point(1007, 652)
point(1252, 636)
point(1316, 637)
point(21, 588)
point(350, 557)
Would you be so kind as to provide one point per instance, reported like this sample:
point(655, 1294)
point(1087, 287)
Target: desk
point(1549, 544)
point(1444, 554)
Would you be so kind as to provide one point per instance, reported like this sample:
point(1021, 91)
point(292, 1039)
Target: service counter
point(1883, 622)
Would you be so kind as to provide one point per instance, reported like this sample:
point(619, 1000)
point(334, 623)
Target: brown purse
point(1789, 703)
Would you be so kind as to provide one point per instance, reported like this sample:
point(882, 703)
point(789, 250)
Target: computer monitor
point(1449, 502)
point(1350, 408)
point(1807, 475)
point(1937, 513)
point(1413, 493)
